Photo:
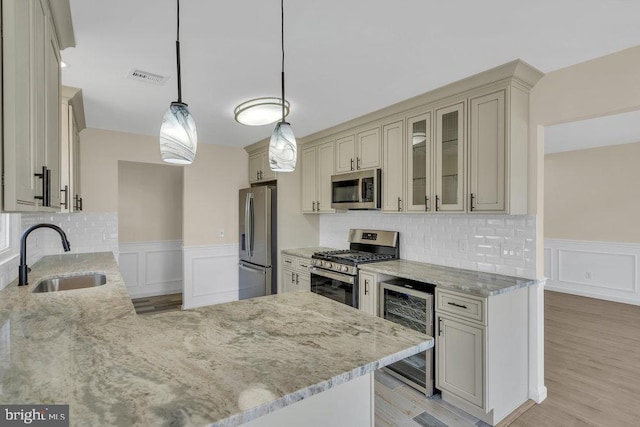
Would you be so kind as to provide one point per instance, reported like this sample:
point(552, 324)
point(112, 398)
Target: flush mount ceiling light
point(178, 136)
point(282, 146)
point(260, 111)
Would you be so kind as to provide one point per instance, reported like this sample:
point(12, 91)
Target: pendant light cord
point(282, 45)
point(178, 55)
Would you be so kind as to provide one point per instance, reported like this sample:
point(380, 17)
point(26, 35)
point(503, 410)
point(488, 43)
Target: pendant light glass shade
point(178, 136)
point(283, 151)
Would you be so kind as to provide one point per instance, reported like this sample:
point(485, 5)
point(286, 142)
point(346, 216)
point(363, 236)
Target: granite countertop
point(305, 252)
point(221, 365)
point(456, 279)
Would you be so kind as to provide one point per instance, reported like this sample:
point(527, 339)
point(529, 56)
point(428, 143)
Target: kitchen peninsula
point(220, 365)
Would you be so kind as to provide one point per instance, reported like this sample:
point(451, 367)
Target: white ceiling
point(345, 58)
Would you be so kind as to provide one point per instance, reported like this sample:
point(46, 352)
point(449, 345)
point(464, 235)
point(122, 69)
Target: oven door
point(339, 287)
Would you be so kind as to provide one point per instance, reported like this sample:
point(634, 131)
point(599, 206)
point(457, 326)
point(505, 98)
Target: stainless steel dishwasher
point(411, 304)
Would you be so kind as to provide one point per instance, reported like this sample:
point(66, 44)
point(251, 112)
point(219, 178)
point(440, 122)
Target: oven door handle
point(331, 275)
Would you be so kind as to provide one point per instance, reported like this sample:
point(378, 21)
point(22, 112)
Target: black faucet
point(23, 270)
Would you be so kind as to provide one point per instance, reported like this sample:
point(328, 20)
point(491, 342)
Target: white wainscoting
point(151, 268)
point(210, 275)
point(605, 270)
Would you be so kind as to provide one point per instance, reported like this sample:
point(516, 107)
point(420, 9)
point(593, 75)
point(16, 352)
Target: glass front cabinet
point(450, 159)
point(420, 152)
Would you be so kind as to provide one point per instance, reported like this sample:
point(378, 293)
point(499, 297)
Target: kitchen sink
point(68, 283)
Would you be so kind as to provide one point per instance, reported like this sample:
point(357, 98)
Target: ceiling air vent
point(147, 77)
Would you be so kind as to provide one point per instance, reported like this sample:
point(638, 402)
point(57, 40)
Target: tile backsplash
point(500, 244)
point(87, 232)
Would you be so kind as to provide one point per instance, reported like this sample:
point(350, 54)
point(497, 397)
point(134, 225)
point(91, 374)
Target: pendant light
point(282, 146)
point(178, 136)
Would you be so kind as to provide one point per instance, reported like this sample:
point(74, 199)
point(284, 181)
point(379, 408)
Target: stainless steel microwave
point(356, 190)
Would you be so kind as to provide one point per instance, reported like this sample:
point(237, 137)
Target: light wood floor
point(592, 370)
point(158, 303)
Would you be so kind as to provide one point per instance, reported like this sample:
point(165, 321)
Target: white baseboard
point(151, 268)
point(604, 270)
point(210, 275)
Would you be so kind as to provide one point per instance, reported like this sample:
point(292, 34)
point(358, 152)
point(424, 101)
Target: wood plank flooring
point(592, 370)
point(157, 304)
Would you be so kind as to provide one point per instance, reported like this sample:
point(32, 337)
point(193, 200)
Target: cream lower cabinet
point(295, 274)
point(368, 293)
point(317, 168)
point(482, 352)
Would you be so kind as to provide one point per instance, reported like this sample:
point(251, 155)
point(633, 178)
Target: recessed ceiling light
point(260, 111)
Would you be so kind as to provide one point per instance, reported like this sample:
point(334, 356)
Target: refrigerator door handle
point(247, 268)
point(248, 223)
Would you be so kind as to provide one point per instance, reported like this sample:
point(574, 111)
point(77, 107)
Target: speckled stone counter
point(220, 365)
point(305, 252)
point(456, 279)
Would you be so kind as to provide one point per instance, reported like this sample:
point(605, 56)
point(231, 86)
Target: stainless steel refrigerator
point(258, 246)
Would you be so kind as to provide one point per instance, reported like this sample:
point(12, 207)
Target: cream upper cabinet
point(317, 168)
point(368, 149)
point(31, 107)
point(393, 199)
point(345, 154)
point(259, 169)
point(450, 159)
point(419, 166)
point(359, 151)
point(498, 150)
point(487, 153)
point(72, 122)
point(52, 114)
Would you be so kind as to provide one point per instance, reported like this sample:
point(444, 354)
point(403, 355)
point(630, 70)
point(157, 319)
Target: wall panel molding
point(210, 275)
point(152, 268)
point(605, 270)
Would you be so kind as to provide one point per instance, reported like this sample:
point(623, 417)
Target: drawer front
point(464, 306)
point(302, 264)
point(289, 262)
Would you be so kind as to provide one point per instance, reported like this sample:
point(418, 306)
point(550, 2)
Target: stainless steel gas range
point(334, 274)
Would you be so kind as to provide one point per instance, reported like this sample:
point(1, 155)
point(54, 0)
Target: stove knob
point(344, 268)
point(328, 264)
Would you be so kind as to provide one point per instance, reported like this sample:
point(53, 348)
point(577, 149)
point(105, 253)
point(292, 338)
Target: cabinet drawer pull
point(288, 261)
point(351, 164)
point(437, 200)
point(399, 204)
point(358, 163)
point(426, 204)
point(472, 200)
point(313, 206)
point(293, 277)
point(457, 305)
point(297, 279)
point(366, 287)
point(257, 175)
point(439, 326)
point(318, 205)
